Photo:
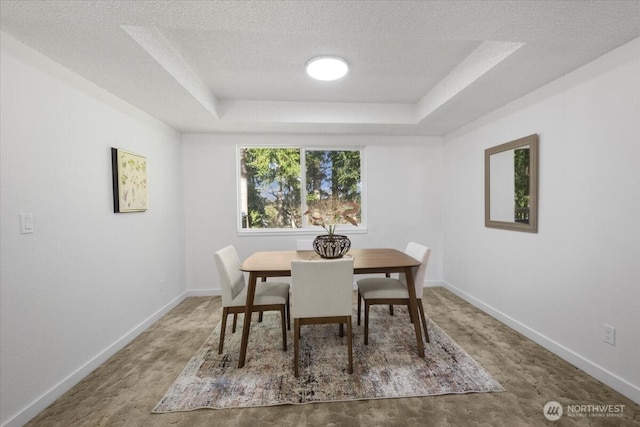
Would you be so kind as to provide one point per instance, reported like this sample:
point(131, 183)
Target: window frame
point(306, 229)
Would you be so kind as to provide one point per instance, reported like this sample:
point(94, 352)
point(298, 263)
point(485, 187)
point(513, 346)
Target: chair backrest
point(231, 278)
point(421, 253)
point(322, 288)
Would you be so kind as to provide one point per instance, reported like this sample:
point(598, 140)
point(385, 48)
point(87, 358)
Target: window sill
point(258, 232)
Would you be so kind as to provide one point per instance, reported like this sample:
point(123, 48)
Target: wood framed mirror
point(511, 185)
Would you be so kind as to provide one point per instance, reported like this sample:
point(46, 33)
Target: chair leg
point(366, 322)
point(223, 326)
point(411, 314)
point(391, 310)
point(359, 306)
point(235, 322)
point(288, 314)
point(341, 330)
point(350, 344)
point(284, 328)
point(424, 320)
point(296, 345)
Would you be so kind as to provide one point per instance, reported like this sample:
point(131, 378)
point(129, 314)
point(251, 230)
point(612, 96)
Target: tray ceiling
point(417, 68)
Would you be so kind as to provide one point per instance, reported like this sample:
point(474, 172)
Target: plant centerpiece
point(329, 214)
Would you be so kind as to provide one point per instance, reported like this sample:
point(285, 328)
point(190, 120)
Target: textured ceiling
point(417, 67)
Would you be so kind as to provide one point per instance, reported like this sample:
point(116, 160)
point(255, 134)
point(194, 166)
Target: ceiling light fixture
point(327, 68)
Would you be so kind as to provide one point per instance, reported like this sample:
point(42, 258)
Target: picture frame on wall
point(130, 192)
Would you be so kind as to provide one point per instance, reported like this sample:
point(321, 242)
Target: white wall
point(403, 196)
point(87, 280)
point(582, 269)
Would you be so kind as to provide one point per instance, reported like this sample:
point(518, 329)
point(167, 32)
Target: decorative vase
point(331, 245)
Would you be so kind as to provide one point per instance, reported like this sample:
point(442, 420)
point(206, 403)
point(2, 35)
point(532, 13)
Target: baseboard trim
point(42, 402)
point(433, 283)
point(617, 383)
point(212, 292)
point(203, 293)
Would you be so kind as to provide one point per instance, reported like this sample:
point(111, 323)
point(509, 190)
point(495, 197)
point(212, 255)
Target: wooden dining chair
point(269, 296)
point(393, 290)
point(321, 292)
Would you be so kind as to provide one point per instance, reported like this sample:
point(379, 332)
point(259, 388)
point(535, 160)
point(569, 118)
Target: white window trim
point(306, 230)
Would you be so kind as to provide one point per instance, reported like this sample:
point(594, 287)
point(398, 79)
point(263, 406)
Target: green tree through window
point(273, 186)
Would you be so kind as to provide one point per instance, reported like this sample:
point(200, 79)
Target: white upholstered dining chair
point(393, 290)
point(322, 292)
point(269, 296)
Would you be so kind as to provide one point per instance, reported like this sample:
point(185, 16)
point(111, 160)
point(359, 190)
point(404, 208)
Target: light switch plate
point(26, 223)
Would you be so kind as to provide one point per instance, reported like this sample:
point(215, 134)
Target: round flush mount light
point(327, 68)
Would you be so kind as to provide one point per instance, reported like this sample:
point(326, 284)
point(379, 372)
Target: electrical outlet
point(609, 334)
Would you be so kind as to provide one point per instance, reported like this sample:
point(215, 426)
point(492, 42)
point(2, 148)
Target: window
point(283, 189)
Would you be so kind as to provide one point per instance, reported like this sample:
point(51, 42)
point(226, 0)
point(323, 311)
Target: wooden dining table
point(365, 261)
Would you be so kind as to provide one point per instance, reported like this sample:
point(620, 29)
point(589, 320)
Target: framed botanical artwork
point(129, 182)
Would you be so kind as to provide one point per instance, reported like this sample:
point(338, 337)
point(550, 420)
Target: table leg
point(413, 308)
point(248, 310)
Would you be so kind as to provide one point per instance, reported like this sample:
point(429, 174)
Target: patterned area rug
point(389, 367)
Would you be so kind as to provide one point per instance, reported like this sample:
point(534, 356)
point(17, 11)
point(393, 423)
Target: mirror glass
point(511, 185)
